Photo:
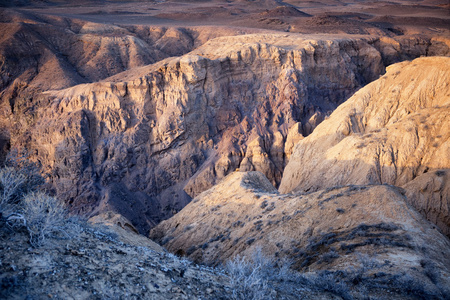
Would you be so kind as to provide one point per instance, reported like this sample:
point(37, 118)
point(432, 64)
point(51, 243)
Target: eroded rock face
point(331, 229)
point(393, 131)
point(42, 52)
point(144, 141)
point(145, 145)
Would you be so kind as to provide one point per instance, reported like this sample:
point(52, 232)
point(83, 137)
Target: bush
point(18, 177)
point(45, 217)
point(249, 277)
point(21, 207)
point(261, 277)
point(329, 282)
point(18, 160)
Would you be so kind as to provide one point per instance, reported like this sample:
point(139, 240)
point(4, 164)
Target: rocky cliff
point(347, 192)
point(393, 131)
point(144, 141)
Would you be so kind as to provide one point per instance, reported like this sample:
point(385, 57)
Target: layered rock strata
point(144, 141)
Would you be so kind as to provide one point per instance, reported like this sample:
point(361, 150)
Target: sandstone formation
point(393, 131)
point(143, 142)
point(332, 229)
point(138, 119)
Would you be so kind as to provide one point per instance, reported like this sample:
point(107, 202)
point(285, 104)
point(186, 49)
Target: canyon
point(315, 132)
point(171, 111)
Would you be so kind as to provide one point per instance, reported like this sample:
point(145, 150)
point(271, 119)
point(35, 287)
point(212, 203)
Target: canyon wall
point(144, 141)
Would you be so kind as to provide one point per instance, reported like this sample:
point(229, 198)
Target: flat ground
point(338, 17)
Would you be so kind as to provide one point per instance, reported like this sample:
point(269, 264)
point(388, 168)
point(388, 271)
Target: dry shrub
point(18, 160)
point(246, 279)
point(251, 278)
point(21, 207)
point(45, 217)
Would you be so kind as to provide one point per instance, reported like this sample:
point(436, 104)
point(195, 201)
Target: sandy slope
point(391, 131)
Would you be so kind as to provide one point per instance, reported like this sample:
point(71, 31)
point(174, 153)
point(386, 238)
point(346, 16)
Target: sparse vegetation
point(329, 257)
point(41, 216)
point(250, 277)
point(382, 234)
point(264, 204)
point(440, 173)
point(31, 171)
point(191, 250)
point(18, 177)
point(250, 241)
point(261, 277)
point(45, 217)
point(247, 280)
point(328, 281)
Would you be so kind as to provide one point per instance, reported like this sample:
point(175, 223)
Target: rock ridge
point(332, 229)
